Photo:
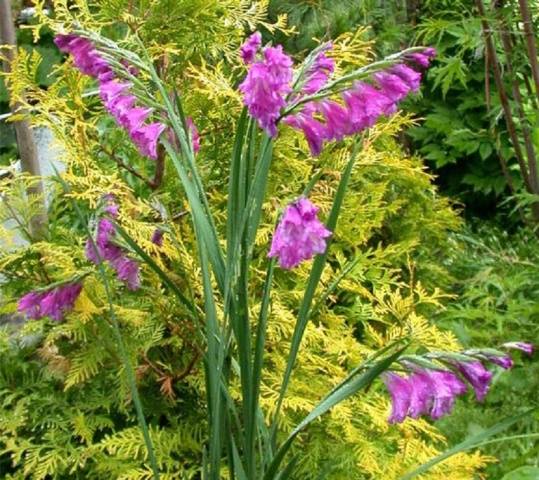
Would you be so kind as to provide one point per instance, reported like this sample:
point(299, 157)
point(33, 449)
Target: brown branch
point(515, 87)
point(159, 168)
point(124, 165)
point(504, 100)
point(529, 36)
point(188, 369)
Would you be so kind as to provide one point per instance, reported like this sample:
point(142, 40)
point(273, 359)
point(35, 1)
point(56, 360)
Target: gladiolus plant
point(307, 98)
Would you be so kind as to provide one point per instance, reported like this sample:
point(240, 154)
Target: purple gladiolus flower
point(195, 136)
point(431, 392)
point(421, 394)
point(446, 387)
point(157, 237)
point(146, 138)
point(409, 75)
point(265, 87)
point(400, 389)
point(110, 91)
point(503, 361)
point(62, 41)
point(314, 131)
point(478, 376)
point(134, 118)
point(318, 73)
point(103, 248)
point(30, 304)
point(338, 122)
point(299, 235)
point(392, 86)
point(128, 272)
point(120, 106)
point(54, 303)
point(250, 48)
point(115, 94)
point(423, 58)
point(523, 346)
point(366, 105)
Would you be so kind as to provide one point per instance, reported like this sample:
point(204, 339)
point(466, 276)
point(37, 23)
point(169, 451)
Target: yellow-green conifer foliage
point(64, 404)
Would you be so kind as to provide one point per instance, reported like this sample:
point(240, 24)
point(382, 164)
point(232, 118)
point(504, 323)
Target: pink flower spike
point(53, 303)
point(319, 72)
point(157, 237)
point(504, 361)
point(314, 131)
point(446, 387)
point(478, 376)
point(30, 304)
point(265, 87)
point(146, 139)
point(392, 86)
point(337, 118)
point(128, 272)
point(63, 41)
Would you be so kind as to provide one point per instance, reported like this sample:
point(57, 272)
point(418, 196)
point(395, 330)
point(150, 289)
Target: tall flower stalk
point(324, 109)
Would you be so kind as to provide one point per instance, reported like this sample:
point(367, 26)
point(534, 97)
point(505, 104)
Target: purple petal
point(478, 376)
point(400, 390)
point(249, 49)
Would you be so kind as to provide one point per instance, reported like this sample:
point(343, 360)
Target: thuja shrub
point(165, 320)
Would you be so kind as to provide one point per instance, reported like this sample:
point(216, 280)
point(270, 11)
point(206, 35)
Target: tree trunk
point(25, 137)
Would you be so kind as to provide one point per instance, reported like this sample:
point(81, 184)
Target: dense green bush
point(496, 280)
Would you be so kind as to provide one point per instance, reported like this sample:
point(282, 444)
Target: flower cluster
point(267, 86)
point(54, 303)
point(359, 108)
point(430, 391)
point(103, 248)
point(115, 93)
point(299, 235)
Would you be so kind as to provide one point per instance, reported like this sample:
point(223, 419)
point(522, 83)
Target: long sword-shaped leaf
point(472, 442)
point(213, 370)
point(343, 391)
point(206, 233)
